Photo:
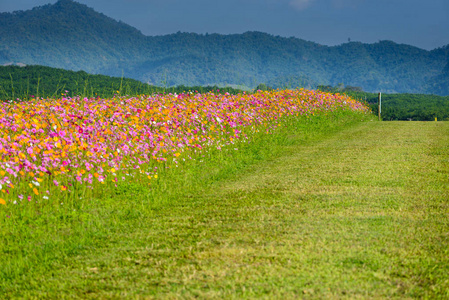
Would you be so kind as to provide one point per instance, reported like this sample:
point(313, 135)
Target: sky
point(421, 23)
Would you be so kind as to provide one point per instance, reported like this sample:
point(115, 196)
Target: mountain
point(69, 35)
point(73, 36)
point(440, 84)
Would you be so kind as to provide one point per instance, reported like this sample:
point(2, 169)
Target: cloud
point(340, 4)
point(300, 4)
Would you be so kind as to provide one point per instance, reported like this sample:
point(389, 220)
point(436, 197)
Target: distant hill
point(439, 85)
point(73, 36)
point(26, 82)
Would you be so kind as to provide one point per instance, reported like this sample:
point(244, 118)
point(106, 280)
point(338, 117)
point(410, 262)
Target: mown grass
point(330, 207)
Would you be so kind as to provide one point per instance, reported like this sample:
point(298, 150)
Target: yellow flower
point(36, 191)
point(2, 201)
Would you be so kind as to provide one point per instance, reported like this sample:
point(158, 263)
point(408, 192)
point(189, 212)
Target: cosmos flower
point(77, 139)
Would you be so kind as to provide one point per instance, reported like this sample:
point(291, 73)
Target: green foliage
point(416, 107)
point(72, 36)
point(263, 87)
point(38, 81)
point(402, 107)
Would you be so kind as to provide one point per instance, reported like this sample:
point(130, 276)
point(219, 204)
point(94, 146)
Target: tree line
point(399, 107)
point(24, 83)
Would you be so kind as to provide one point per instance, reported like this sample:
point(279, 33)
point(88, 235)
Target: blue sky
point(422, 23)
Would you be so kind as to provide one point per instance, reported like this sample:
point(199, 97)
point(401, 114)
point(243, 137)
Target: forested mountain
point(72, 36)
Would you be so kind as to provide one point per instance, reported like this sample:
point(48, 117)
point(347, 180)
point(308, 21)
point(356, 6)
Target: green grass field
point(336, 208)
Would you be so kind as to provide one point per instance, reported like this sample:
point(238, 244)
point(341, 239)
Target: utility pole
point(379, 101)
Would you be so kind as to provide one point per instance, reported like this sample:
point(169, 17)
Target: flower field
point(52, 148)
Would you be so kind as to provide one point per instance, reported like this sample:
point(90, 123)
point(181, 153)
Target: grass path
point(362, 213)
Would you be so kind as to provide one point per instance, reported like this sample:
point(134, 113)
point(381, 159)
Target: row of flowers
point(75, 141)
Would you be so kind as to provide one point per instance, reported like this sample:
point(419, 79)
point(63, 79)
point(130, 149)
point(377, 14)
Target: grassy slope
point(357, 211)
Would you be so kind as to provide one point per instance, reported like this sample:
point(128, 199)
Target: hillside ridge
point(73, 36)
